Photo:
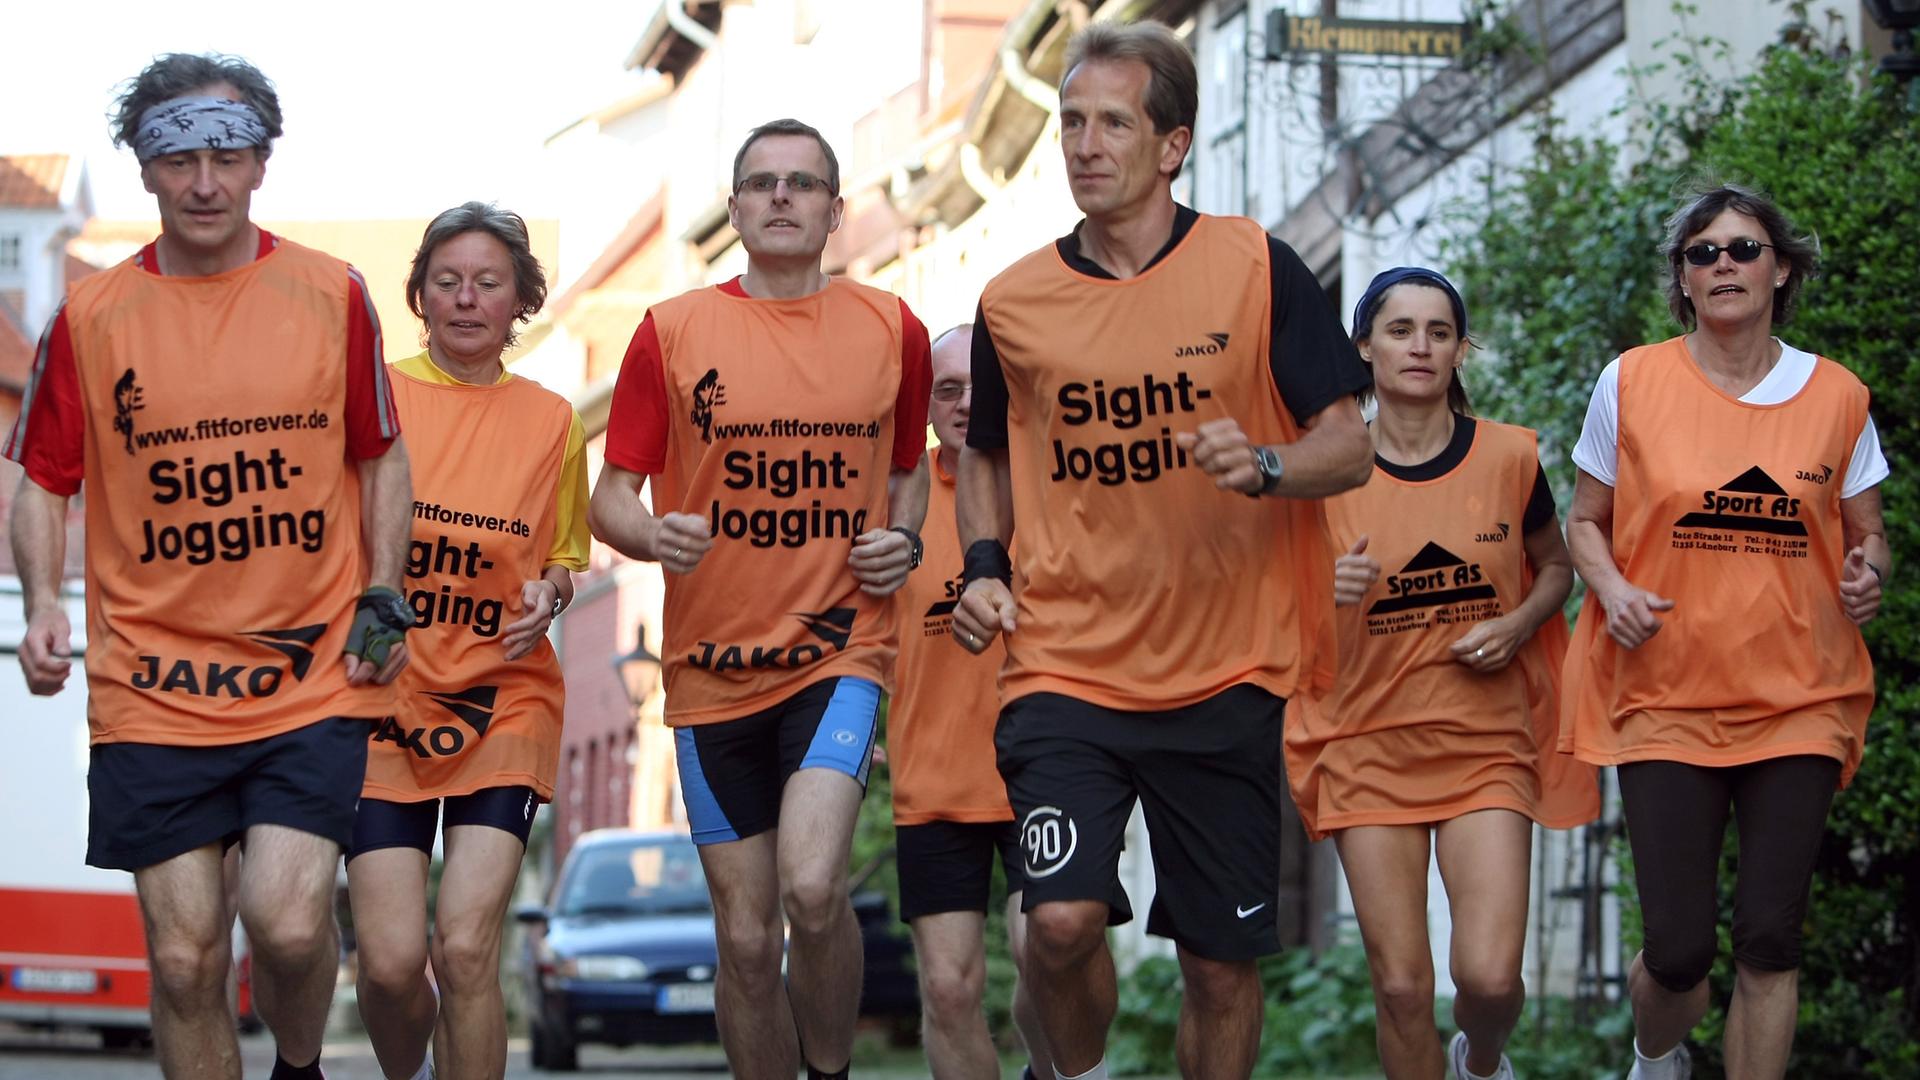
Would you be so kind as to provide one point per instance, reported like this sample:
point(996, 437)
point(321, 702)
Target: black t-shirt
point(1313, 362)
point(1540, 508)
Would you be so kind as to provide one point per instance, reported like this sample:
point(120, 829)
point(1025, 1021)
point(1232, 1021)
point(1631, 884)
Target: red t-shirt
point(51, 451)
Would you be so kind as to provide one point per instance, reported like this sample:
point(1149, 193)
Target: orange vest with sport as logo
point(780, 434)
point(223, 516)
point(486, 461)
point(946, 700)
point(1140, 585)
point(1409, 735)
point(1732, 511)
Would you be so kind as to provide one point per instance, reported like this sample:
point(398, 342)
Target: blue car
point(626, 954)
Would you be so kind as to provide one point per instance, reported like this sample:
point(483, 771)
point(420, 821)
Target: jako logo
point(1825, 474)
point(1050, 839)
point(707, 393)
point(473, 706)
point(1216, 344)
point(1494, 537)
point(833, 626)
point(296, 644)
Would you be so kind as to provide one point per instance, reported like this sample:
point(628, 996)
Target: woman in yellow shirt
point(499, 526)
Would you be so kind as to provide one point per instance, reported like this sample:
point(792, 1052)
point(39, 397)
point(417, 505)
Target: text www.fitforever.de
point(226, 427)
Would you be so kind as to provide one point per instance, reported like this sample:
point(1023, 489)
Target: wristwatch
point(1267, 460)
point(918, 549)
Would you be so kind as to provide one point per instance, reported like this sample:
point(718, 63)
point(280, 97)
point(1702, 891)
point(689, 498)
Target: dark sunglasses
point(1743, 250)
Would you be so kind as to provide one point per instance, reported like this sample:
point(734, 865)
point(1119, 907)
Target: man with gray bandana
point(222, 397)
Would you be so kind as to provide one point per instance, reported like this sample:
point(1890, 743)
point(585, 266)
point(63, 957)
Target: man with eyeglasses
point(779, 420)
point(950, 809)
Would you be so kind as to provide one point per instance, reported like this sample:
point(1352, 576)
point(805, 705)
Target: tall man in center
point(779, 421)
point(1160, 399)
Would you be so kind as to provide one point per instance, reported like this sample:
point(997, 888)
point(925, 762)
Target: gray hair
point(529, 281)
point(789, 126)
point(179, 74)
point(1173, 93)
point(1800, 253)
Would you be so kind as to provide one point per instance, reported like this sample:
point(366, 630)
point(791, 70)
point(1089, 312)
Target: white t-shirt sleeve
point(1598, 451)
point(1869, 464)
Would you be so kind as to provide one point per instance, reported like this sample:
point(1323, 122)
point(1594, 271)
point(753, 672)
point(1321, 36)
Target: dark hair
point(529, 281)
point(1363, 329)
point(1173, 91)
point(789, 126)
point(1798, 252)
point(178, 74)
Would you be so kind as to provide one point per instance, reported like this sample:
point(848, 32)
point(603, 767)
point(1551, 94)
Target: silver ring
point(676, 553)
point(1480, 653)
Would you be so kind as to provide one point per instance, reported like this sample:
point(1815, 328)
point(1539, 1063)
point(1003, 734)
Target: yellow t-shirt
point(570, 537)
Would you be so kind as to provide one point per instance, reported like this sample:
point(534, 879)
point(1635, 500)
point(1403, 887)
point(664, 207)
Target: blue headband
point(1363, 311)
point(197, 123)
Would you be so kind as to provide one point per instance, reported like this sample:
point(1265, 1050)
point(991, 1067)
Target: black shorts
point(1207, 777)
point(948, 865)
point(733, 772)
point(149, 803)
point(1676, 822)
point(382, 823)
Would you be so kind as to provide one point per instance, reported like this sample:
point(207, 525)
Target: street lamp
point(639, 671)
point(1901, 17)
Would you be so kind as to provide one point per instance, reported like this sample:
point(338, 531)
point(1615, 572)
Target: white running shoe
point(1457, 1061)
point(1679, 1067)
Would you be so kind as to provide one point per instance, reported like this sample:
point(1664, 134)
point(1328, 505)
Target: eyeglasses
point(1743, 250)
point(764, 183)
point(951, 391)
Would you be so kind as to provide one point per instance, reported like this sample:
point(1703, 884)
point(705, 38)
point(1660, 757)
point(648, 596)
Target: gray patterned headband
point(197, 123)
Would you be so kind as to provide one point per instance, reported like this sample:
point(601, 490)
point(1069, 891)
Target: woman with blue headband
point(1438, 735)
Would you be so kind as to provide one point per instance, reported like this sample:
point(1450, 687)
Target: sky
point(392, 110)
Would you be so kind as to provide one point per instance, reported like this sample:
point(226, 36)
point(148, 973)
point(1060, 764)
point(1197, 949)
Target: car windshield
point(653, 878)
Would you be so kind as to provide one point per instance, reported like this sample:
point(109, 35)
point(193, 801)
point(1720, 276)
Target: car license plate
point(686, 998)
point(56, 980)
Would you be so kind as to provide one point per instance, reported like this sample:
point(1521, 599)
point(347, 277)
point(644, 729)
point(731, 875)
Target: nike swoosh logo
point(1244, 912)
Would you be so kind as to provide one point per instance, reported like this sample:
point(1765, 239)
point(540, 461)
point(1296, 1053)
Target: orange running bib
point(1409, 735)
point(222, 513)
point(780, 434)
point(486, 463)
point(1732, 511)
point(946, 700)
point(1140, 585)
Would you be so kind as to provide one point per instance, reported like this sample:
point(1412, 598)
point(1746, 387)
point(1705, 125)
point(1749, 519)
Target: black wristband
point(987, 559)
point(916, 549)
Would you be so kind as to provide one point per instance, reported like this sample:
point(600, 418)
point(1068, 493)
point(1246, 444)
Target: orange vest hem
point(387, 793)
point(869, 664)
point(1016, 687)
point(370, 709)
point(1321, 828)
point(1000, 815)
point(1627, 755)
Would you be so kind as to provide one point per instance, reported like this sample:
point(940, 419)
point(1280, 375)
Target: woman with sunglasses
point(1727, 522)
point(1438, 735)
